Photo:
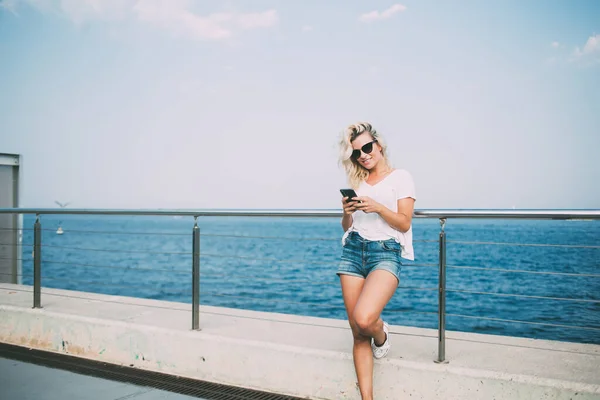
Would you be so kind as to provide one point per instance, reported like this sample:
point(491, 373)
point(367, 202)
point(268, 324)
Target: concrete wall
point(307, 357)
point(10, 239)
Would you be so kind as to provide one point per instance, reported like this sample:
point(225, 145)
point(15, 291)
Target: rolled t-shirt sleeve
point(405, 186)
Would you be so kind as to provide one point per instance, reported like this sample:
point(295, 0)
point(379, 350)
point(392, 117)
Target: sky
point(240, 104)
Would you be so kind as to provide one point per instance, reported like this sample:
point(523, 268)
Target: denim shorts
point(361, 256)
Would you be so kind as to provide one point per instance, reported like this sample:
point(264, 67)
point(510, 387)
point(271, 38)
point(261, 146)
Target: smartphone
point(349, 193)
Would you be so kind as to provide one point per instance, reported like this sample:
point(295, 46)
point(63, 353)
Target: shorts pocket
point(391, 245)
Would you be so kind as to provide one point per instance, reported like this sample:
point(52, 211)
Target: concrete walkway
point(301, 356)
point(24, 381)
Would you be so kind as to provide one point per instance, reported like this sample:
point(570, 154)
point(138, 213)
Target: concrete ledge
point(301, 356)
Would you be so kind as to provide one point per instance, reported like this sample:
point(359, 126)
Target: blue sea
point(287, 265)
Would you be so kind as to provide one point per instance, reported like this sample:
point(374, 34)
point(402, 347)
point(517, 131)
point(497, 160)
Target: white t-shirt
point(397, 185)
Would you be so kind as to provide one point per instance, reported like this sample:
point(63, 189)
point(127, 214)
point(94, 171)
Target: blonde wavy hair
point(355, 172)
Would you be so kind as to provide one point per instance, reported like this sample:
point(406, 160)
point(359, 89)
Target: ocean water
point(288, 265)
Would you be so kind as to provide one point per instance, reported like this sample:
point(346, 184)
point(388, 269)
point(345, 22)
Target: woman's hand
point(349, 206)
point(368, 205)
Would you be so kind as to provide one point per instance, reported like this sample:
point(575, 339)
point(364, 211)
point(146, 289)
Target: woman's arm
point(349, 208)
point(346, 222)
point(400, 220)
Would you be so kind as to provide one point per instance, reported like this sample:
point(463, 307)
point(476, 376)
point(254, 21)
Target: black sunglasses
point(367, 149)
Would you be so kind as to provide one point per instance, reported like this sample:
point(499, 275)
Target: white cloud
point(175, 16)
point(307, 28)
point(555, 44)
point(590, 54)
point(592, 46)
point(376, 15)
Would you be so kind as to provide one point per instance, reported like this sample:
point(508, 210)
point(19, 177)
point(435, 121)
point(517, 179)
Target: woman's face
point(366, 152)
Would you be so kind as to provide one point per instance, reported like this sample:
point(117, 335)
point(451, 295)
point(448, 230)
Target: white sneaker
point(381, 351)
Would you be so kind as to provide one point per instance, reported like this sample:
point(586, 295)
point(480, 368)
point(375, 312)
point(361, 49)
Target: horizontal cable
point(278, 300)
point(105, 284)
point(524, 322)
point(267, 259)
point(9, 274)
point(292, 261)
point(117, 267)
point(574, 246)
point(123, 233)
point(217, 256)
point(115, 250)
point(201, 276)
point(344, 327)
point(15, 244)
point(523, 295)
point(400, 310)
point(201, 234)
point(49, 278)
point(420, 265)
point(273, 280)
point(524, 271)
point(16, 259)
point(102, 301)
point(308, 281)
point(201, 254)
point(284, 238)
point(269, 237)
point(150, 269)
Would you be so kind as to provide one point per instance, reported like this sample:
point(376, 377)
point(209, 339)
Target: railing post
point(196, 276)
point(442, 296)
point(37, 262)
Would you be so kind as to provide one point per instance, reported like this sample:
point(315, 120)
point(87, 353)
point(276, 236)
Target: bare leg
point(363, 359)
point(364, 300)
point(379, 288)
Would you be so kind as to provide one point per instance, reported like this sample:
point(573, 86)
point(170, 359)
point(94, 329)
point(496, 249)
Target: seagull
point(61, 204)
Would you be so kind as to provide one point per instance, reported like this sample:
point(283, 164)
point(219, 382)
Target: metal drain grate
point(171, 383)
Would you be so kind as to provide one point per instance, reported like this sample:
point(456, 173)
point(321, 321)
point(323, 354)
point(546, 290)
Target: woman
point(378, 233)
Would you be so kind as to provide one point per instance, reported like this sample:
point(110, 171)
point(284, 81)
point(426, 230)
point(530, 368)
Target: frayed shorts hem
point(395, 272)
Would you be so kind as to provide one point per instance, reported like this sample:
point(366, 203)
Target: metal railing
point(441, 215)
